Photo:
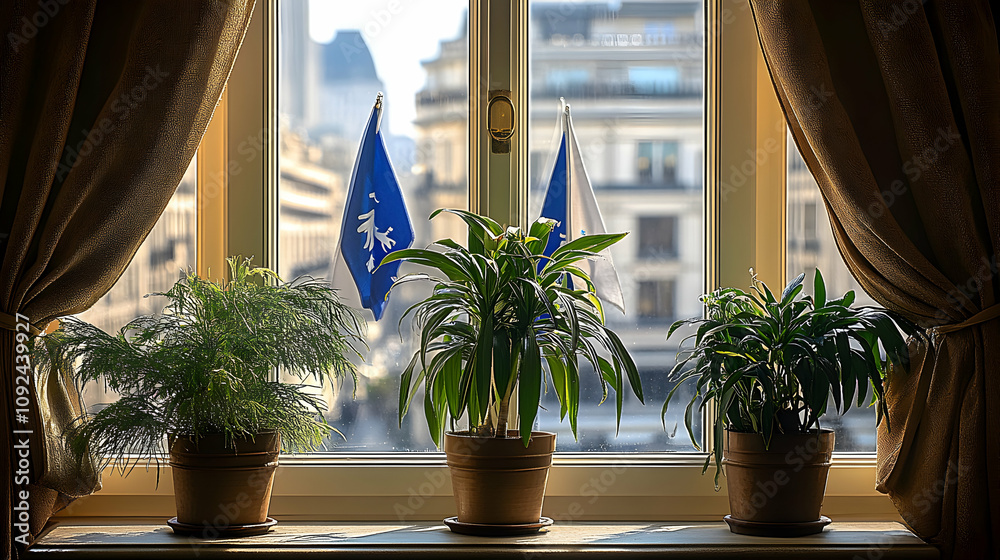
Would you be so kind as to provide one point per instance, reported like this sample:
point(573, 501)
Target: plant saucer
point(203, 531)
point(497, 530)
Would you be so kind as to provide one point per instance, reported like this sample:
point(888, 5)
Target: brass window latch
point(500, 120)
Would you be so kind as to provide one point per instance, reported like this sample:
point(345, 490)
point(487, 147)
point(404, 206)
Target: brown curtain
point(102, 106)
point(895, 107)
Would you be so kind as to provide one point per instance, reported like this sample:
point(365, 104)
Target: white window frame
point(745, 227)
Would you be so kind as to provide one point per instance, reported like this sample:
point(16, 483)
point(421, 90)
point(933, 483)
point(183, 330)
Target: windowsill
point(417, 487)
point(152, 539)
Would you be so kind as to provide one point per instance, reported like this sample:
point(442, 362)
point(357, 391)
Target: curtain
point(895, 107)
point(102, 106)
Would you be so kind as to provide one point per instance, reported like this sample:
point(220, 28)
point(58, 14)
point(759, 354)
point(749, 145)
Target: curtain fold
point(895, 107)
point(102, 107)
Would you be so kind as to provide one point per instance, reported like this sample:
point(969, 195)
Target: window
point(650, 264)
point(336, 58)
point(809, 221)
point(809, 247)
point(167, 252)
point(741, 208)
point(657, 237)
point(645, 162)
point(657, 163)
point(656, 300)
point(654, 80)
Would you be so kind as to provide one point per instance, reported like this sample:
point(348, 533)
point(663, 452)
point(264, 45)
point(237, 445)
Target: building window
point(644, 163)
point(656, 300)
point(654, 80)
point(656, 163)
point(657, 237)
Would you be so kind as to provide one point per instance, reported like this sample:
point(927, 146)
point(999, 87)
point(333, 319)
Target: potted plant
point(198, 381)
point(504, 320)
point(768, 368)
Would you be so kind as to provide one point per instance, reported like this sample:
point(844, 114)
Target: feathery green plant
point(771, 364)
point(500, 314)
point(206, 364)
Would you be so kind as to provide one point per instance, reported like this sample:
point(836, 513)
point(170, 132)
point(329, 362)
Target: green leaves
point(770, 364)
point(205, 364)
point(792, 289)
point(819, 289)
point(529, 386)
point(503, 313)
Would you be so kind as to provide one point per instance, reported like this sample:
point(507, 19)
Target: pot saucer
point(489, 530)
point(742, 527)
point(206, 532)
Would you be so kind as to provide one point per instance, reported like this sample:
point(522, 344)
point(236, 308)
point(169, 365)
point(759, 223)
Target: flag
point(570, 201)
point(375, 223)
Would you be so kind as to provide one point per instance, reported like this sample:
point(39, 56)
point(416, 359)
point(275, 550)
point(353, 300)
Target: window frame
point(744, 228)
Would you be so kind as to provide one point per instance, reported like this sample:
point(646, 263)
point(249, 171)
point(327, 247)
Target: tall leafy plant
point(771, 364)
point(206, 364)
point(504, 317)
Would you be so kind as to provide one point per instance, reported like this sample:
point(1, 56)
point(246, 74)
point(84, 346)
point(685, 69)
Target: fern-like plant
point(207, 363)
point(769, 365)
point(501, 314)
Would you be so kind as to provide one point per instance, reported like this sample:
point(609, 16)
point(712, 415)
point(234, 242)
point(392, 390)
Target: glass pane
point(632, 73)
point(811, 246)
point(334, 57)
point(163, 257)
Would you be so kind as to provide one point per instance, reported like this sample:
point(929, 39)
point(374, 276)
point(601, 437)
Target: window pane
point(656, 300)
point(334, 57)
point(811, 246)
point(632, 73)
point(167, 252)
point(657, 237)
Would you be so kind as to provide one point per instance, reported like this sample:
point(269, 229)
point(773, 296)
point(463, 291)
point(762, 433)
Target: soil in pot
point(499, 481)
point(778, 490)
point(223, 489)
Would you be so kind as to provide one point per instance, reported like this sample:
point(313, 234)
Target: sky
point(400, 34)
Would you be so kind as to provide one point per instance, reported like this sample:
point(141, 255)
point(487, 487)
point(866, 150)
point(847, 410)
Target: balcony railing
point(441, 97)
point(626, 40)
point(608, 90)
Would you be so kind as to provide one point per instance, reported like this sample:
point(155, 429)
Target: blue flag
point(570, 201)
point(375, 220)
point(555, 204)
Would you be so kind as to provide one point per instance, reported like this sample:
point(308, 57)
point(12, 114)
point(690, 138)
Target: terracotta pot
point(497, 481)
point(782, 484)
point(222, 488)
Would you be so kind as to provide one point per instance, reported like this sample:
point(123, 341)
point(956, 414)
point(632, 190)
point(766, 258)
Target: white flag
point(570, 201)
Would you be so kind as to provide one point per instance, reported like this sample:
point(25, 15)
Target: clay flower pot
point(499, 481)
point(222, 491)
point(777, 491)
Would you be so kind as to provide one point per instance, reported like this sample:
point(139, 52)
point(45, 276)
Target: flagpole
point(378, 107)
point(569, 170)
